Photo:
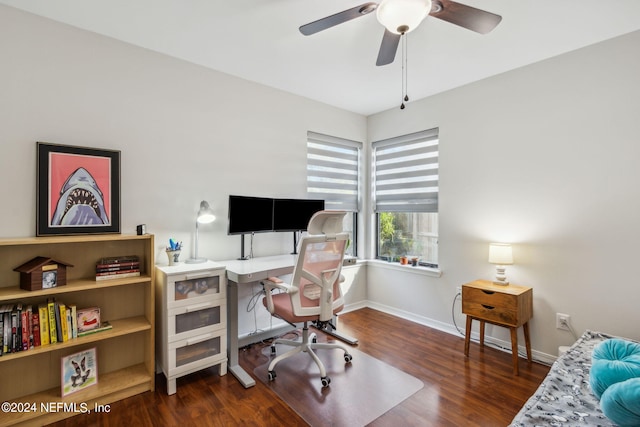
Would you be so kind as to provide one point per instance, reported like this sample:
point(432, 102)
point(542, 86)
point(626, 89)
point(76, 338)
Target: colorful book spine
point(2, 350)
point(74, 320)
point(44, 324)
point(104, 326)
point(118, 266)
point(35, 326)
point(7, 330)
point(117, 275)
point(63, 323)
point(118, 260)
point(14, 331)
point(59, 316)
point(53, 333)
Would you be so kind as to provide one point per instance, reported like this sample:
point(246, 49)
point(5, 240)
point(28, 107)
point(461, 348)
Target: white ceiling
point(258, 40)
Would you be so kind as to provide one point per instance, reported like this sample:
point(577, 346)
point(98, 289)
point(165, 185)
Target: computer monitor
point(250, 214)
point(294, 214)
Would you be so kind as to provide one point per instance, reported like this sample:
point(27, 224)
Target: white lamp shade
point(500, 253)
point(402, 14)
point(205, 214)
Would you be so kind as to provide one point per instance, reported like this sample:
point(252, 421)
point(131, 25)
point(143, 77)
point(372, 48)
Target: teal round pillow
point(621, 402)
point(613, 361)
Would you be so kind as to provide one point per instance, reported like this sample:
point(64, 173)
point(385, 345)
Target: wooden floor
point(458, 391)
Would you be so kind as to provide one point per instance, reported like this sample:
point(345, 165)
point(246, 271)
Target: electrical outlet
point(458, 290)
point(562, 321)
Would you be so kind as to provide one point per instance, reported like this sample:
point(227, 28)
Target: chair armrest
point(272, 283)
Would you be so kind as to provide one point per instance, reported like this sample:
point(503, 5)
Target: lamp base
point(501, 277)
point(195, 260)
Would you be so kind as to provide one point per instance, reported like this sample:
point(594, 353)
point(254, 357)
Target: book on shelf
point(14, 331)
point(2, 330)
point(88, 318)
point(101, 268)
point(43, 314)
point(78, 371)
point(117, 275)
point(64, 328)
point(53, 334)
point(74, 320)
point(117, 260)
point(35, 326)
point(104, 326)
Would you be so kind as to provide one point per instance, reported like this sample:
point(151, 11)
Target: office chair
point(314, 294)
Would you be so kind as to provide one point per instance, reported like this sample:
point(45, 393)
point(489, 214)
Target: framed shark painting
point(78, 190)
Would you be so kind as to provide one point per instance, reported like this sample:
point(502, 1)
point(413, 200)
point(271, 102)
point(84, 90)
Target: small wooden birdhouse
point(42, 273)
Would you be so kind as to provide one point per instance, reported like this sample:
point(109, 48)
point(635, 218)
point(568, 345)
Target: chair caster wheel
point(347, 358)
point(325, 381)
point(272, 375)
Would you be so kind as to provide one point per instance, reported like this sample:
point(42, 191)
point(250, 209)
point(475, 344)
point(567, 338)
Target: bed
point(565, 397)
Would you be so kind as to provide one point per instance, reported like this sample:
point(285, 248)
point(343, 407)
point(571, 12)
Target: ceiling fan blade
point(338, 18)
point(388, 48)
point(465, 16)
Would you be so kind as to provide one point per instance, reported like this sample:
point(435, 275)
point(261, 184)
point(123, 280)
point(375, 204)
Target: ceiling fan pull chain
point(406, 68)
point(404, 95)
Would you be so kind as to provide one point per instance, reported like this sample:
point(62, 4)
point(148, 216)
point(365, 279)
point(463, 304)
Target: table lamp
point(501, 255)
point(205, 216)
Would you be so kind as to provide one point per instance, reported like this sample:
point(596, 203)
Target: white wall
point(186, 133)
point(545, 157)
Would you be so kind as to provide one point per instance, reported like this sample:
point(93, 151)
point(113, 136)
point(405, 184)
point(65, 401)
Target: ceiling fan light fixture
point(402, 16)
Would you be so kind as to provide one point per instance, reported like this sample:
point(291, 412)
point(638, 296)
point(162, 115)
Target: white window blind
point(333, 166)
point(405, 173)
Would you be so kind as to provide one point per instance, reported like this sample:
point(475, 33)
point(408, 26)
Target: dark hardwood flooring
point(458, 391)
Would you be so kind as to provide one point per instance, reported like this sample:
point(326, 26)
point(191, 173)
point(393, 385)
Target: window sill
point(426, 271)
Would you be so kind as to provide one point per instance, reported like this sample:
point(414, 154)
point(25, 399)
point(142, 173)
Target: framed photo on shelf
point(79, 371)
point(78, 190)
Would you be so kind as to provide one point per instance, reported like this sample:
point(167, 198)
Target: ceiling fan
point(402, 16)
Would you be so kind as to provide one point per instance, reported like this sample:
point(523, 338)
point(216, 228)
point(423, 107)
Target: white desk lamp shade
point(402, 16)
point(205, 216)
point(500, 254)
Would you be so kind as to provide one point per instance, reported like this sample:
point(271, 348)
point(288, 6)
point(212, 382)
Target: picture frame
point(78, 190)
point(78, 371)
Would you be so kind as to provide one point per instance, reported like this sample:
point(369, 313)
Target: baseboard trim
point(537, 356)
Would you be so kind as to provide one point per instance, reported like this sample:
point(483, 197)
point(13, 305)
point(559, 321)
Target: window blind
point(405, 173)
point(333, 166)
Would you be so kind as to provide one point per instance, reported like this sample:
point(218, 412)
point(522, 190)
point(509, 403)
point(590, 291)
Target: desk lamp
point(501, 255)
point(205, 216)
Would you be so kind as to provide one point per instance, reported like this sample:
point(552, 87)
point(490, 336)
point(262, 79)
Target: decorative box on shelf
point(42, 273)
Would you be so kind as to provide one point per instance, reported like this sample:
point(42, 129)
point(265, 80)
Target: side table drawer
point(490, 306)
point(192, 288)
point(195, 319)
point(201, 350)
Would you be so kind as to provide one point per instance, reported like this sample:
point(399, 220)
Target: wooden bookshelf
point(31, 379)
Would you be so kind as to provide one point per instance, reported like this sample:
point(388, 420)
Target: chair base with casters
point(307, 344)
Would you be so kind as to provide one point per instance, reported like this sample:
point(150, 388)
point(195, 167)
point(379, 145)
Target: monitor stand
point(242, 256)
point(295, 243)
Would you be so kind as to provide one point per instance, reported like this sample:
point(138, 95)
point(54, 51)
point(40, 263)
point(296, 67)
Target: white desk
point(249, 271)
point(241, 272)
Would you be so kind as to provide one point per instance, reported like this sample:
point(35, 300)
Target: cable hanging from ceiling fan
point(405, 84)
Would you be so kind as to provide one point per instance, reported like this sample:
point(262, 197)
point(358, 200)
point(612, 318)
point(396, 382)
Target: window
point(333, 174)
point(405, 188)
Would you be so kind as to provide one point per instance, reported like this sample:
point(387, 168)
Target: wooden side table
point(509, 306)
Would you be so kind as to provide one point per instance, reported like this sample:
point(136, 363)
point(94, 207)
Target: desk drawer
point(195, 319)
point(199, 351)
point(193, 288)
